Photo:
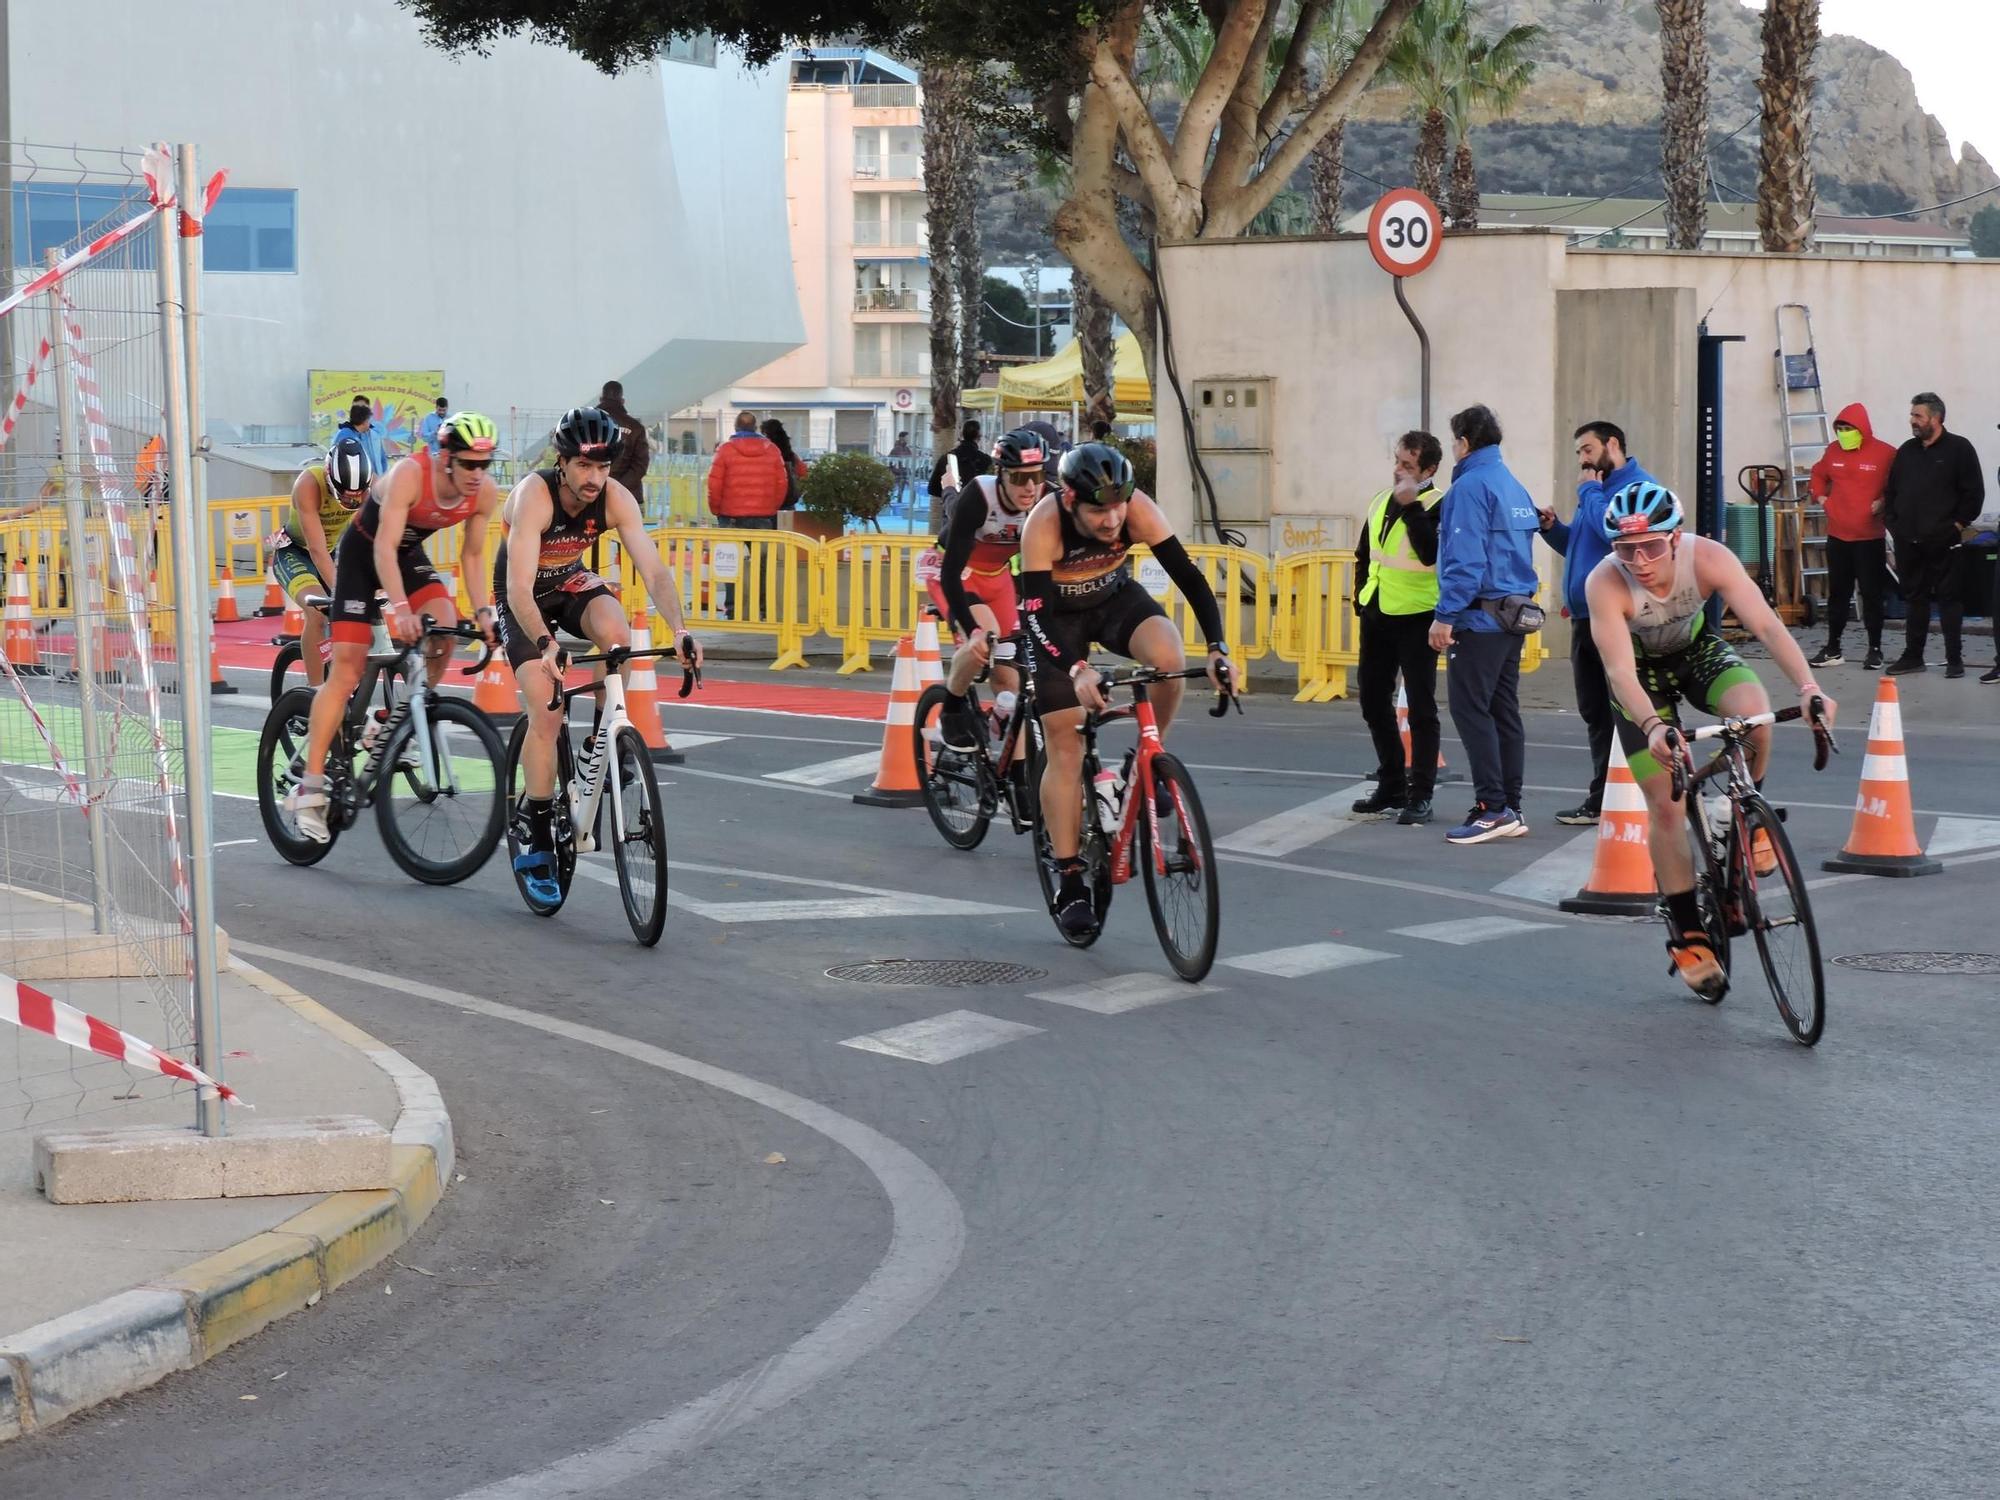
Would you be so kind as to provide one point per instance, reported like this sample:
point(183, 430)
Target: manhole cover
point(1923, 963)
point(947, 972)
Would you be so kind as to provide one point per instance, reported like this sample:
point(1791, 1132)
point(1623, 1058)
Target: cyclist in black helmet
point(1077, 587)
point(550, 521)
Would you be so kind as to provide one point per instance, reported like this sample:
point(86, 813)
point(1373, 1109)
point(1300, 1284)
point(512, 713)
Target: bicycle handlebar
point(464, 630)
point(1738, 728)
point(1137, 676)
point(615, 658)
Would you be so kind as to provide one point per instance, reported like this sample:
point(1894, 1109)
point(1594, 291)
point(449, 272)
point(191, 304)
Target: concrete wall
point(520, 220)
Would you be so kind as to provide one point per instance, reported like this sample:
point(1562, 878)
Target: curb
point(129, 1341)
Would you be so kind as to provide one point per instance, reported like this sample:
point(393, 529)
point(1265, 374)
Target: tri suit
point(564, 587)
point(355, 607)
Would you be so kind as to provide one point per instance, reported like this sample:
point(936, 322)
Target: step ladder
point(1807, 430)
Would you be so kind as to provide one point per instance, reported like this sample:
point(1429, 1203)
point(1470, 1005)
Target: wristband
point(1219, 648)
point(398, 607)
point(1811, 687)
point(484, 609)
point(1650, 724)
point(1080, 666)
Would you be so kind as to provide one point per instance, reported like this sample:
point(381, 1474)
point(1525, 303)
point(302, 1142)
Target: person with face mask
point(1935, 490)
point(1848, 481)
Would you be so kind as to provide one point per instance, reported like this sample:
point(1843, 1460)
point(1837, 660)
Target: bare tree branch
point(1143, 138)
point(1237, 147)
point(1288, 90)
point(1228, 58)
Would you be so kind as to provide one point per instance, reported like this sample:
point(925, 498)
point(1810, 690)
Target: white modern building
point(520, 221)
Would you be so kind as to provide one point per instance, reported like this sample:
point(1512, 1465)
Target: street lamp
point(1033, 283)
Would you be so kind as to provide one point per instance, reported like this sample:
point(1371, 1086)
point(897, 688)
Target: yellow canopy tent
point(1057, 382)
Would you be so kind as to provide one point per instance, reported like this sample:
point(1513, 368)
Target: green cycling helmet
point(468, 432)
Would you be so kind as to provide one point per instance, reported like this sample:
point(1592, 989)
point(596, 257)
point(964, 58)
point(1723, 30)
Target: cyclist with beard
point(550, 521)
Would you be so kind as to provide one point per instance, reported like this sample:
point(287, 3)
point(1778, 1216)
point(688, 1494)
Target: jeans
point(1593, 704)
point(1483, 678)
point(1930, 571)
point(1848, 564)
point(1392, 644)
point(745, 523)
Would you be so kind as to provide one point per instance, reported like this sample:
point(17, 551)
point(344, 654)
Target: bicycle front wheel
point(280, 747)
point(638, 837)
point(442, 808)
point(954, 783)
point(520, 831)
point(1180, 883)
point(1778, 913)
point(1711, 883)
point(1091, 848)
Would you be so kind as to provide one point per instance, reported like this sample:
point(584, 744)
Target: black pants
point(1849, 564)
point(1392, 644)
point(1483, 678)
point(1593, 703)
point(1930, 571)
point(746, 523)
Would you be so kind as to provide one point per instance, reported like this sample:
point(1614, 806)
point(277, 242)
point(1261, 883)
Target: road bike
point(638, 825)
point(429, 764)
point(1122, 826)
point(1772, 907)
point(963, 790)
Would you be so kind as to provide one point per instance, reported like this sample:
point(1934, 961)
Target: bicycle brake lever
point(690, 680)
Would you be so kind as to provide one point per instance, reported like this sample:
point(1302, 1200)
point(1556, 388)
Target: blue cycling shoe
point(537, 870)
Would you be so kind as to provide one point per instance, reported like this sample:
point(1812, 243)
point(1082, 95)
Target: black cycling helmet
point(587, 432)
point(1020, 449)
point(349, 470)
point(1097, 474)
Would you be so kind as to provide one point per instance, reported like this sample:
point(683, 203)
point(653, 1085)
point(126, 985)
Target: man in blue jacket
point(1606, 469)
point(1485, 554)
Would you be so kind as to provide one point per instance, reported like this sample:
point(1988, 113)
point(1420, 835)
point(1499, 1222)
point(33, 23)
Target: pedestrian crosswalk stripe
point(939, 1039)
point(1559, 873)
point(1470, 930)
point(1288, 832)
point(1123, 992)
point(1306, 958)
point(826, 772)
point(1956, 835)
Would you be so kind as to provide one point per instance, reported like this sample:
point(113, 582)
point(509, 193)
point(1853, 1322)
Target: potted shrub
point(840, 488)
point(1145, 457)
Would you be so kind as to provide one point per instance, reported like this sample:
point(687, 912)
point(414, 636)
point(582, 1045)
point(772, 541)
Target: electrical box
point(1232, 415)
point(1242, 483)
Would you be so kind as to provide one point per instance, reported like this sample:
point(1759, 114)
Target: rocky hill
point(1590, 123)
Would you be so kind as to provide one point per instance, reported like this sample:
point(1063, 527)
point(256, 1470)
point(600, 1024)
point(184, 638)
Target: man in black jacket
point(1935, 489)
point(972, 462)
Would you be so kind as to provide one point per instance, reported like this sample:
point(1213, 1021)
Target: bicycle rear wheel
point(1186, 903)
point(1778, 913)
point(519, 829)
point(638, 831)
point(283, 743)
point(956, 785)
point(442, 813)
point(287, 670)
point(1091, 848)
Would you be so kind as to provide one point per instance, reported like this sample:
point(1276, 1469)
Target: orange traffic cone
point(1883, 840)
point(20, 628)
point(218, 685)
point(1621, 880)
point(642, 695)
point(225, 601)
point(1403, 728)
point(930, 666)
point(274, 597)
point(493, 694)
point(294, 623)
point(896, 783)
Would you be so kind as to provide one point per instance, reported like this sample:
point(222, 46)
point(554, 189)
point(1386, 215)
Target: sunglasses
point(1652, 549)
point(477, 465)
point(1021, 479)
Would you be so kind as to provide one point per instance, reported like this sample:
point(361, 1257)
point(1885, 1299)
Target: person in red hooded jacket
point(1848, 480)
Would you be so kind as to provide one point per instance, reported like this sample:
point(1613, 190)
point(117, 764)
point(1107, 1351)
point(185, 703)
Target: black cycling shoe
point(1380, 802)
point(957, 729)
point(1415, 814)
point(1073, 908)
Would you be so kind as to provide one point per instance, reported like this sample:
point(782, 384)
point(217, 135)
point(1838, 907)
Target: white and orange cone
point(225, 601)
point(1621, 882)
point(274, 596)
point(494, 694)
point(218, 685)
point(642, 695)
point(294, 623)
point(22, 653)
point(930, 666)
point(1883, 840)
point(1403, 728)
point(896, 783)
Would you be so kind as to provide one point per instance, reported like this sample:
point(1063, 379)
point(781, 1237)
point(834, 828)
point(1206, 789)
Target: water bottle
point(1109, 787)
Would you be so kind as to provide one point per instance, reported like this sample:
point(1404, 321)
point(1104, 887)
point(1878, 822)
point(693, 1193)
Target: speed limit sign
point(1403, 231)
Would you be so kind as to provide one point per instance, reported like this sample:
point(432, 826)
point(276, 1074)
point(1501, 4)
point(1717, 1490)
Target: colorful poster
point(401, 398)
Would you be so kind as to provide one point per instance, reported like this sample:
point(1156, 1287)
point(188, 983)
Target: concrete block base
point(39, 954)
point(142, 1164)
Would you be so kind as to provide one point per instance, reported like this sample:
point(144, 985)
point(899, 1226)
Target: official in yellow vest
point(1396, 591)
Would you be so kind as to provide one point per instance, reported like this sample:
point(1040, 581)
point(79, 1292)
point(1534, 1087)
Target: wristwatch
point(542, 643)
point(1220, 648)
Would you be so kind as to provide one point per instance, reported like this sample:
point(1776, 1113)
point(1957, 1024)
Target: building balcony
point(890, 173)
point(880, 236)
point(885, 304)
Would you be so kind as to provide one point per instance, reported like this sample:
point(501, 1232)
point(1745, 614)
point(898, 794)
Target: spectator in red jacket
point(1848, 480)
point(747, 485)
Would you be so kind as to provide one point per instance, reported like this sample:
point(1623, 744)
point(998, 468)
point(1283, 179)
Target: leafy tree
point(1450, 71)
point(1986, 232)
point(1006, 322)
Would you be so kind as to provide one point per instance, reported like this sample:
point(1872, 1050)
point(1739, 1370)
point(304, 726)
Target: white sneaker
point(308, 810)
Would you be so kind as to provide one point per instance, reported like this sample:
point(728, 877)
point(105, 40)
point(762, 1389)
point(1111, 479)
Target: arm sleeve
point(1035, 590)
point(1423, 523)
point(1194, 588)
point(967, 511)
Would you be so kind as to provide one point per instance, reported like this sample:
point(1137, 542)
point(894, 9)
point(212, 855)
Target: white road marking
point(1559, 873)
point(956, 1033)
point(233, 843)
point(1306, 958)
point(1123, 992)
point(865, 901)
point(1293, 830)
point(927, 1238)
point(690, 740)
point(1387, 882)
point(1958, 835)
point(789, 739)
point(1469, 930)
point(827, 772)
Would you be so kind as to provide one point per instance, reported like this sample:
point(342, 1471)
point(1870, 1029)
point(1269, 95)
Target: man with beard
point(1604, 469)
point(1935, 489)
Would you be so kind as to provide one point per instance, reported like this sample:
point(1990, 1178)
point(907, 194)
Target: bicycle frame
point(394, 672)
point(586, 791)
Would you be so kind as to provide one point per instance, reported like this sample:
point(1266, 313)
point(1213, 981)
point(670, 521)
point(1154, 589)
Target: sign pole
point(1424, 351)
point(1404, 233)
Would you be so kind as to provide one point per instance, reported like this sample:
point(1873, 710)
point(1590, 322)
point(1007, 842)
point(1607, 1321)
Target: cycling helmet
point(587, 432)
point(1094, 469)
point(468, 432)
point(1640, 507)
point(1023, 448)
point(349, 470)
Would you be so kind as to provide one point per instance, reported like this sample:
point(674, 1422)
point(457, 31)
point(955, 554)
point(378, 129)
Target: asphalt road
point(1490, 1208)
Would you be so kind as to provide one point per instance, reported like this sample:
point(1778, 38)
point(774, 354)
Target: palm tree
point(1450, 72)
point(1684, 119)
point(1342, 27)
point(949, 207)
point(1785, 188)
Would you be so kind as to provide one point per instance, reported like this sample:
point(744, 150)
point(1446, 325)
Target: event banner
point(401, 398)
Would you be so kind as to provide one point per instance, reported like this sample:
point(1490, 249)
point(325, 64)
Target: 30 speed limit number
point(1404, 231)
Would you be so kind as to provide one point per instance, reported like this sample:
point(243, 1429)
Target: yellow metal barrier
point(881, 598)
point(237, 530)
point(1316, 628)
point(1241, 581)
point(757, 582)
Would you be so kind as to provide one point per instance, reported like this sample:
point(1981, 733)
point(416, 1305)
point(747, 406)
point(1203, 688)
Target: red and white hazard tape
point(28, 1007)
point(20, 402)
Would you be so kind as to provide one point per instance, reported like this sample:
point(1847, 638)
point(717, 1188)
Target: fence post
point(82, 624)
point(191, 586)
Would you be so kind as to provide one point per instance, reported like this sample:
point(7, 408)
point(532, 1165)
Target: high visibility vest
point(1398, 583)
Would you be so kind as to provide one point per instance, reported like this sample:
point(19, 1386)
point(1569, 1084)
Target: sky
point(1950, 48)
